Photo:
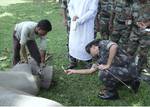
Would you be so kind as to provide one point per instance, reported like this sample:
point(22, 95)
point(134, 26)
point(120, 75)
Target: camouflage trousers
point(121, 37)
point(68, 31)
point(104, 28)
point(148, 62)
point(139, 45)
point(95, 31)
point(96, 25)
point(109, 77)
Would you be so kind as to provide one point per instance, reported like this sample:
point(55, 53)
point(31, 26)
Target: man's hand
point(75, 18)
point(69, 71)
point(141, 25)
point(42, 54)
point(103, 67)
point(23, 54)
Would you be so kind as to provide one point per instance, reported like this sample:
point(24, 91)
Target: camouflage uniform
point(122, 23)
point(64, 5)
point(148, 60)
point(96, 30)
point(106, 8)
point(139, 38)
point(121, 66)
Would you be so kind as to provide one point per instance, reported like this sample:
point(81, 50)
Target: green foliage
point(5, 59)
point(69, 89)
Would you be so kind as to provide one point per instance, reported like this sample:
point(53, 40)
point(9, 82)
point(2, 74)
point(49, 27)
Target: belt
point(136, 33)
point(121, 22)
point(104, 14)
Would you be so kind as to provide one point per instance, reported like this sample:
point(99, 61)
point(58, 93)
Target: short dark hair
point(45, 25)
point(94, 42)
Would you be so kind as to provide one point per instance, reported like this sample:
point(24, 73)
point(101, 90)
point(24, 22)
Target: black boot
point(73, 62)
point(135, 85)
point(72, 65)
point(109, 95)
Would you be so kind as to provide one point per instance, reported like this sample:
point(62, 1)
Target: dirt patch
point(8, 2)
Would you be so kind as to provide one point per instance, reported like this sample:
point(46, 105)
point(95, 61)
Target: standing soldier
point(106, 9)
point(140, 37)
point(97, 24)
point(64, 6)
point(122, 21)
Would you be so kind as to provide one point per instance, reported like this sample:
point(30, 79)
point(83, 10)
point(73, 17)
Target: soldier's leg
point(123, 42)
point(67, 44)
point(96, 25)
point(133, 44)
point(16, 50)
point(34, 51)
point(111, 78)
point(148, 60)
point(143, 52)
point(143, 58)
point(104, 30)
point(95, 32)
point(115, 36)
point(108, 77)
point(68, 33)
point(110, 91)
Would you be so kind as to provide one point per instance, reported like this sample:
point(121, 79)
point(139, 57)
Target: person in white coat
point(82, 13)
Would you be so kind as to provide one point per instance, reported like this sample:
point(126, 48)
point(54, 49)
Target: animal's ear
point(46, 77)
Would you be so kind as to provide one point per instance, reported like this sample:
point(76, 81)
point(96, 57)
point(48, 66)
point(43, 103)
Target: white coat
point(83, 33)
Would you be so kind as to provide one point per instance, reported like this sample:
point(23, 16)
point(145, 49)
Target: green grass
point(72, 89)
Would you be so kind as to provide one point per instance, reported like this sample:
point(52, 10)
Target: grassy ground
point(69, 90)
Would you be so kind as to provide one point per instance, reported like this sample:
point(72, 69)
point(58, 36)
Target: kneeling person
point(112, 63)
point(24, 36)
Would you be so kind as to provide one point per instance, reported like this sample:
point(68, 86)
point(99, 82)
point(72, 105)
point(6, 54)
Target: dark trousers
point(72, 59)
point(75, 61)
point(109, 77)
point(32, 47)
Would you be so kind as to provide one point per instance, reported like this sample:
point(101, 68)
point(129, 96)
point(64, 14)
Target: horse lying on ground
point(19, 84)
